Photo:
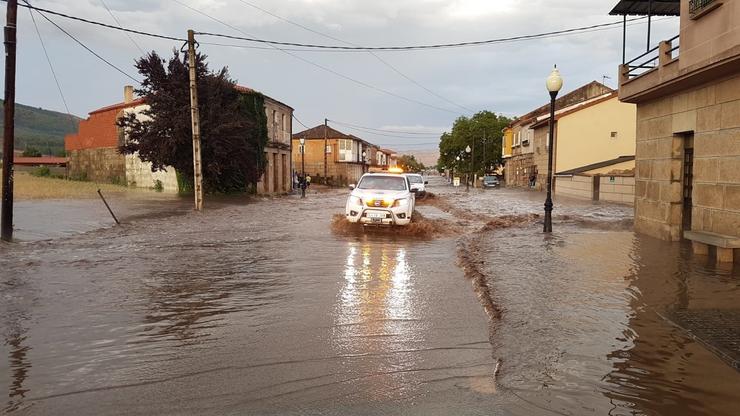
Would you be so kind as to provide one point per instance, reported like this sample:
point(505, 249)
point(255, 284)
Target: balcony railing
point(664, 53)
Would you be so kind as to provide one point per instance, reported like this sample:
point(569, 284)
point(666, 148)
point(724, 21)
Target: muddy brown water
point(260, 308)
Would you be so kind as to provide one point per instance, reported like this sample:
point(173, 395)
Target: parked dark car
point(490, 181)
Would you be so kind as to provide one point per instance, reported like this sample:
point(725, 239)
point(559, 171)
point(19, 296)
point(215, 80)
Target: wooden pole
point(195, 117)
point(6, 223)
point(326, 156)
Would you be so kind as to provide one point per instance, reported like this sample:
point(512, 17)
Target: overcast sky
point(506, 78)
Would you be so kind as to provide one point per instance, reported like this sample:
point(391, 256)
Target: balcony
point(649, 71)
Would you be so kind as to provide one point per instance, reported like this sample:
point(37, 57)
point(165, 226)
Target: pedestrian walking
point(308, 181)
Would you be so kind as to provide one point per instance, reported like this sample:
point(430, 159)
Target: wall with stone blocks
point(103, 164)
point(712, 113)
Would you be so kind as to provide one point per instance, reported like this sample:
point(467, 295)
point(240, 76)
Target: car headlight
point(401, 202)
point(353, 200)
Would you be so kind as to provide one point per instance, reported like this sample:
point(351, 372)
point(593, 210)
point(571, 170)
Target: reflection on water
point(374, 313)
point(606, 309)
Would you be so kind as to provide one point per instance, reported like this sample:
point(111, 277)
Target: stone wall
point(103, 164)
point(711, 113)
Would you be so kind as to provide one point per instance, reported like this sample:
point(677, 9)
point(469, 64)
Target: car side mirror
point(414, 190)
point(426, 182)
point(352, 186)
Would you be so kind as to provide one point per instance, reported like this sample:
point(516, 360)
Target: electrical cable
point(382, 130)
point(337, 47)
point(339, 74)
point(418, 47)
point(84, 46)
point(93, 22)
point(381, 60)
point(300, 122)
point(51, 67)
point(120, 26)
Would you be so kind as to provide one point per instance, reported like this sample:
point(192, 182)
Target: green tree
point(483, 133)
point(409, 163)
point(233, 124)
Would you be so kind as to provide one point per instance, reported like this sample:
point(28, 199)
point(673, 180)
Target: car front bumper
point(378, 216)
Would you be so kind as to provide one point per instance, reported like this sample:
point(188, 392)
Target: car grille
point(378, 203)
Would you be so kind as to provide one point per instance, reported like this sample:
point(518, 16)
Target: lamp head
point(554, 81)
point(302, 141)
point(467, 149)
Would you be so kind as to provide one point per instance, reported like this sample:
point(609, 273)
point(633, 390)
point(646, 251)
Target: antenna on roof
point(604, 78)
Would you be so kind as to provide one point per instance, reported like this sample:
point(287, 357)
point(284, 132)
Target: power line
point(418, 47)
point(48, 60)
point(339, 74)
point(119, 25)
point(381, 60)
point(357, 126)
point(83, 45)
point(300, 122)
point(93, 22)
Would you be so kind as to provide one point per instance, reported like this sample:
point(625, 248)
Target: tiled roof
point(578, 95)
point(43, 160)
point(598, 165)
point(318, 133)
point(119, 106)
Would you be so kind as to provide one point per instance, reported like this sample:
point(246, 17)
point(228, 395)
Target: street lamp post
point(302, 183)
point(470, 169)
point(554, 83)
point(457, 165)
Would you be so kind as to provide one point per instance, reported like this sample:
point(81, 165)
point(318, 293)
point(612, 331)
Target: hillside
point(41, 128)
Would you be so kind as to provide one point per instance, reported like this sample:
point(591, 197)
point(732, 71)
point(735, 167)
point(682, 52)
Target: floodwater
point(259, 308)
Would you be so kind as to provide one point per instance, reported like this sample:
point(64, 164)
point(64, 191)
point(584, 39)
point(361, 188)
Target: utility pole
point(6, 223)
point(326, 146)
point(195, 118)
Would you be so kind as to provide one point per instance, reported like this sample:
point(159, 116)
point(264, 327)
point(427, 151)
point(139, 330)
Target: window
point(614, 135)
point(547, 140)
point(345, 150)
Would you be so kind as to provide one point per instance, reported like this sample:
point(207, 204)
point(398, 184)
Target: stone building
point(593, 138)
point(522, 164)
point(688, 126)
point(93, 150)
point(344, 162)
point(278, 176)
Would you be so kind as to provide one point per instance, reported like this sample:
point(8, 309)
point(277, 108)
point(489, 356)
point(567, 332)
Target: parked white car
point(417, 183)
point(381, 199)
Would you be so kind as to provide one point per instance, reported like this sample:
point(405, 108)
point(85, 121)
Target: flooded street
point(259, 308)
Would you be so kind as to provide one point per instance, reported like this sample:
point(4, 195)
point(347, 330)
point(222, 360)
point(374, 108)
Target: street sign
point(456, 181)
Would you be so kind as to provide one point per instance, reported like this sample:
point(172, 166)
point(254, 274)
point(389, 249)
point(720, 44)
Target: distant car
point(490, 181)
point(417, 182)
point(381, 199)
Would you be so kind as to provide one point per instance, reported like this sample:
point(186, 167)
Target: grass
point(34, 187)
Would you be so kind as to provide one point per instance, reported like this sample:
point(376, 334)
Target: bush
point(158, 186)
point(31, 152)
point(41, 171)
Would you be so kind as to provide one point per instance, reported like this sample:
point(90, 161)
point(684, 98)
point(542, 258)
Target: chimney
point(128, 94)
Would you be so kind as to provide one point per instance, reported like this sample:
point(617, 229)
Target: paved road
point(260, 308)
point(245, 309)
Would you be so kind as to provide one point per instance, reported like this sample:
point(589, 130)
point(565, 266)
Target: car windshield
point(415, 179)
point(489, 178)
point(389, 183)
